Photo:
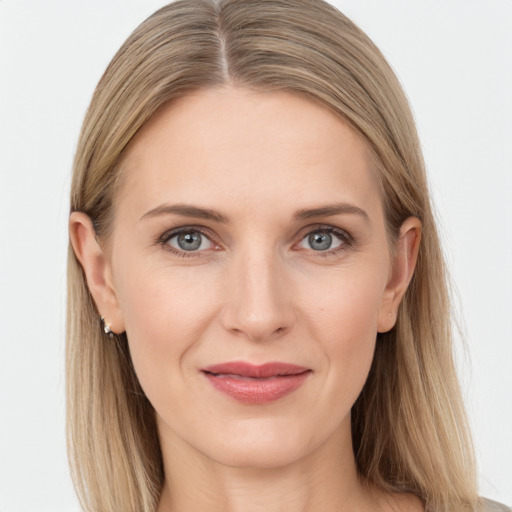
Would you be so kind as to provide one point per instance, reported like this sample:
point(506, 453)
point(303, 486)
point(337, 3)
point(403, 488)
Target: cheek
point(344, 317)
point(165, 312)
point(345, 304)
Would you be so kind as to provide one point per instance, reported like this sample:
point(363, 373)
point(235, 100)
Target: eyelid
point(312, 228)
point(173, 232)
point(343, 234)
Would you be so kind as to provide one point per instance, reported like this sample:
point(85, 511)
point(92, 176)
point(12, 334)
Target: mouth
point(256, 384)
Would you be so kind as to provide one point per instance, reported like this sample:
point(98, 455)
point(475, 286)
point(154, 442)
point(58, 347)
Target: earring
point(106, 328)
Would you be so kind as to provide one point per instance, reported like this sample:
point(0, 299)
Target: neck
point(325, 479)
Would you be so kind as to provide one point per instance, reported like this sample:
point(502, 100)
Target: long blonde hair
point(409, 429)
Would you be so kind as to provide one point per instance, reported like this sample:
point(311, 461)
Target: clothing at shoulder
point(493, 506)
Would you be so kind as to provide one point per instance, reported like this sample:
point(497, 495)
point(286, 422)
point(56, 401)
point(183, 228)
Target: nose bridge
point(258, 304)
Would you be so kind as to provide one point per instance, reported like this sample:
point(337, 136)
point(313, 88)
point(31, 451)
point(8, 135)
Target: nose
point(258, 303)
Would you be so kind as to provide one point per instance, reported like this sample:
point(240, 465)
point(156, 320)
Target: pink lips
point(256, 384)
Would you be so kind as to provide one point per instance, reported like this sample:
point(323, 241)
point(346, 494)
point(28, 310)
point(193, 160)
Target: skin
point(256, 290)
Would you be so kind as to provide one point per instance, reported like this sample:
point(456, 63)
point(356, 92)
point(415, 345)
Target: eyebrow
point(186, 210)
point(331, 210)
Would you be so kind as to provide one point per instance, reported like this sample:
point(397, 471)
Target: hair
point(408, 425)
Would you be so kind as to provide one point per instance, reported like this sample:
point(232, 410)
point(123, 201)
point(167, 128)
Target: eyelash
point(347, 241)
point(168, 235)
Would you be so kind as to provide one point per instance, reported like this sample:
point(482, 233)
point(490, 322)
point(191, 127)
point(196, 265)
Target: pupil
point(189, 241)
point(320, 241)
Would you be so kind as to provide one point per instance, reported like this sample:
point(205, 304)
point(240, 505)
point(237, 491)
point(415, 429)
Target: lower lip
point(257, 390)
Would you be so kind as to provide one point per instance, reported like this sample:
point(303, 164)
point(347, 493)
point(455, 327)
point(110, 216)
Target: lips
point(256, 384)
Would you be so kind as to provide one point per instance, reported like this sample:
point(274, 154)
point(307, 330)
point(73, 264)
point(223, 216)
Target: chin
point(270, 455)
point(263, 444)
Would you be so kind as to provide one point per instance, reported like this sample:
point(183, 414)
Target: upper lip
point(245, 369)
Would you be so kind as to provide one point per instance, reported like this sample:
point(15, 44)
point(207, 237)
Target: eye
point(190, 240)
point(325, 239)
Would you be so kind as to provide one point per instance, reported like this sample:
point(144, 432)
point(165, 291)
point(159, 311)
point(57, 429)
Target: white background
point(454, 58)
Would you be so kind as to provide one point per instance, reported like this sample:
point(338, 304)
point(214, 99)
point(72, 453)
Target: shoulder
point(493, 506)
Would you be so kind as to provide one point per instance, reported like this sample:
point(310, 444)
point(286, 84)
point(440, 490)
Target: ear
point(97, 269)
point(402, 269)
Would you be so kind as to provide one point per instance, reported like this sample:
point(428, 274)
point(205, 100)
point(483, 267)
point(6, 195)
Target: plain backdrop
point(454, 59)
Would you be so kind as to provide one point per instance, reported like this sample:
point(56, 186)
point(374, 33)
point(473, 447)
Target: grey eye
point(323, 240)
point(320, 241)
point(190, 241)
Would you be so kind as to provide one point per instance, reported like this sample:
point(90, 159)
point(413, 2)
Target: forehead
point(218, 145)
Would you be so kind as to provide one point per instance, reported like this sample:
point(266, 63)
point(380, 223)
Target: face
point(251, 270)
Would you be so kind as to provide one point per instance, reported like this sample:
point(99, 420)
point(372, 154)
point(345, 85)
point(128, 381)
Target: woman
point(251, 222)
